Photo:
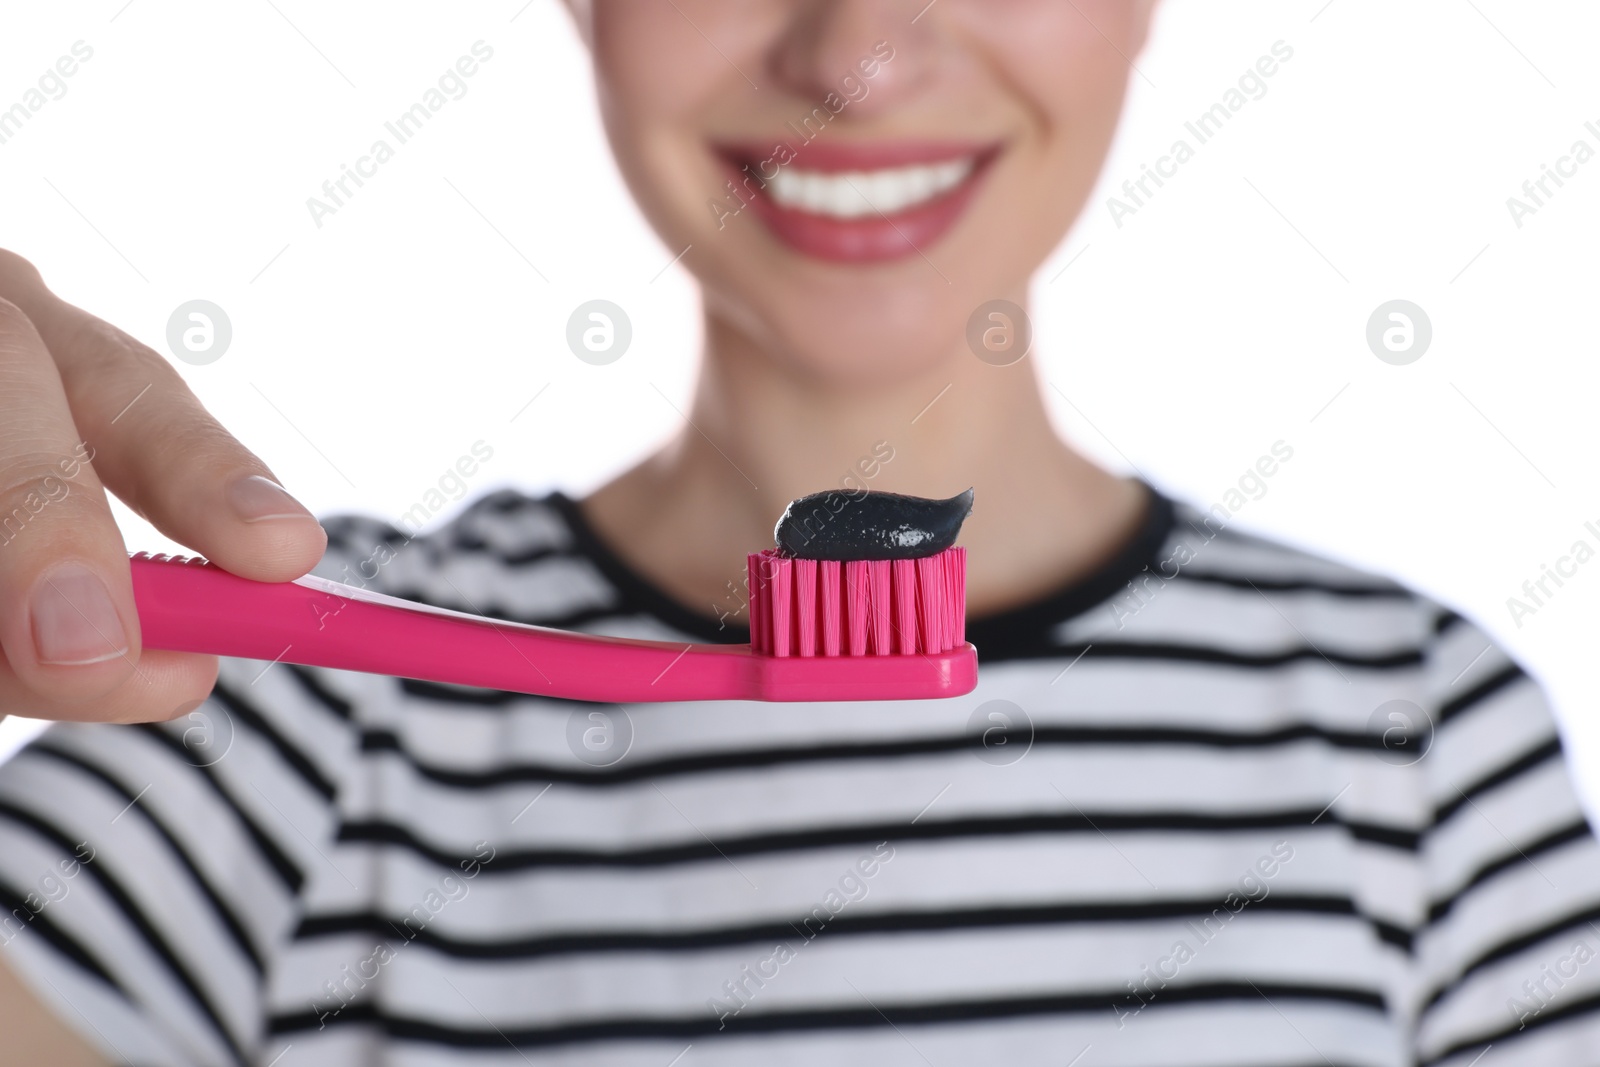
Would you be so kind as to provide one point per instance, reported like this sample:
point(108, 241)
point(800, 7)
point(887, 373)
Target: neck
point(762, 432)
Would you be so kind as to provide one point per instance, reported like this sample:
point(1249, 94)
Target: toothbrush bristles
point(802, 607)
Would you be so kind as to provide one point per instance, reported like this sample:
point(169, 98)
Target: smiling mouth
point(859, 202)
point(855, 194)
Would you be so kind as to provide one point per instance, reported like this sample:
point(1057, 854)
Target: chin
point(872, 340)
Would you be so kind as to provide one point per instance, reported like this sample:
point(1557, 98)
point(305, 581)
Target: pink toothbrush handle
point(189, 605)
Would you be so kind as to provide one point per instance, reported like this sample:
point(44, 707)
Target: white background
point(1227, 314)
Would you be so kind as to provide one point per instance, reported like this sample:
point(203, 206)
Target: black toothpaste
point(843, 525)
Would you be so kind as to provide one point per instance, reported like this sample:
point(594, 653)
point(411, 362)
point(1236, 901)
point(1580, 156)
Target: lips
point(859, 203)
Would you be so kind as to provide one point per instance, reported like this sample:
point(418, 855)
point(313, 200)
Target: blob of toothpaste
point(841, 525)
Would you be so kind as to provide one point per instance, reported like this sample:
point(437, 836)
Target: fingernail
point(74, 621)
point(258, 499)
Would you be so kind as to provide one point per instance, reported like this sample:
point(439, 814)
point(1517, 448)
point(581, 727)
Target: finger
point(67, 621)
point(157, 448)
point(166, 685)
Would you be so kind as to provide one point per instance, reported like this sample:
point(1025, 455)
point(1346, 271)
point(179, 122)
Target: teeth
point(854, 194)
point(839, 198)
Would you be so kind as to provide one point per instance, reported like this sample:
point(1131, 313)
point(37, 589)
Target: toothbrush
point(880, 629)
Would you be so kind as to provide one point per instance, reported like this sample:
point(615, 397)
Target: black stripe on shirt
point(505, 501)
point(381, 740)
point(1482, 691)
point(1581, 1008)
point(313, 927)
point(1143, 651)
point(286, 869)
point(1531, 760)
point(308, 680)
point(377, 740)
point(219, 906)
point(1510, 947)
point(464, 543)
point(1290, 585)
point(854, 1017)
point(1576, 830)
point(297, 760)
point(14, 910)
point(384, 832)
point(141, 923)
point(442, 693)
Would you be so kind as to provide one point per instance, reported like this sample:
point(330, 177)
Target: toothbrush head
point(867, 607)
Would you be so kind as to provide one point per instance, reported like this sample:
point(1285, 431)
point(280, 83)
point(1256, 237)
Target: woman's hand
point(85, 408)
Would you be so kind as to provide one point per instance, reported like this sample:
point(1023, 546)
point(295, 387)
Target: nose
point(888, 48)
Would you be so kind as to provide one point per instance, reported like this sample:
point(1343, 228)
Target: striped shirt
point(1222, 802)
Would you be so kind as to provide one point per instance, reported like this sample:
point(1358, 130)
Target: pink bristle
point(828, 604)
point(930, 603)
point(805, 607)
point(781, 615)
point(766, 573)
point(947, 622)
point(754, 602)
point(905, 605)
point(948, 607)
point(956, 591)
point(857, 595)
point(878, 607)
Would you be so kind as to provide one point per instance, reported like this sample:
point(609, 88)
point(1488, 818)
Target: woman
point(1215, 800)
